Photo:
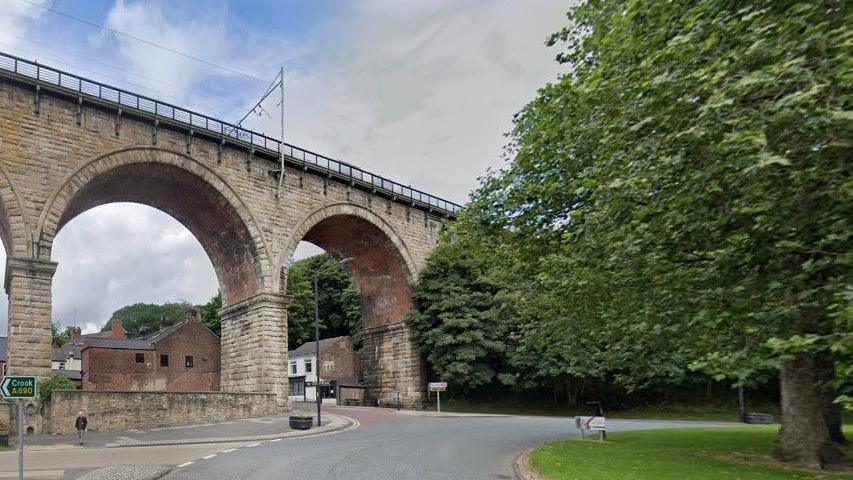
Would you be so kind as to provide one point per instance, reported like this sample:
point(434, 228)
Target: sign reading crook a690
point(18, 387)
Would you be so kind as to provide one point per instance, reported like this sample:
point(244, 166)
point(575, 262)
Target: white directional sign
point(591, 423)
point(437, 386)
point(18, 387)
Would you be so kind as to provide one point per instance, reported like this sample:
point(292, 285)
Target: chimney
point(192, 315)
point(163, 322)
point(118, 330)
point(73, 333)
point(143, 331)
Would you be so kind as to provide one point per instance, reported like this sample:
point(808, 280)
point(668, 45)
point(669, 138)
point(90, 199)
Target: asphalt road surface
point(394, 446)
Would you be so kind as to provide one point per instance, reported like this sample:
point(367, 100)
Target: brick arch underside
point(377, 266)
point(193, 202)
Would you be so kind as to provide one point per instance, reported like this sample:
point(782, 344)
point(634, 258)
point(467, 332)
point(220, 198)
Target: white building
point(338, 363)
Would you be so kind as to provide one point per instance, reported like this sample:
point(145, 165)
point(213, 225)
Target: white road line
point(252, 445)
point(208, 457)
point(276, 440)
point(185, 464)
point(229, 450)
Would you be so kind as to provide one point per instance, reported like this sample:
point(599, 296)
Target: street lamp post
point(317, 395)
point(317, 348)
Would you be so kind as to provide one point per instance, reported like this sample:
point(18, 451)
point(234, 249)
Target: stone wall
point(118, 411)
point(61, 155)
point(391, 363)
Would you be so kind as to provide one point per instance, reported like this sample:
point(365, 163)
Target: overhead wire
point(188, 94)
point(142, 40)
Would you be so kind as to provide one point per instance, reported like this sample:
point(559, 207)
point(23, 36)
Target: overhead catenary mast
point(281, 148)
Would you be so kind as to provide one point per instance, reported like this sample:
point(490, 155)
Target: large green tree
point(689, 180)
point(148, 316)
point(463, 319)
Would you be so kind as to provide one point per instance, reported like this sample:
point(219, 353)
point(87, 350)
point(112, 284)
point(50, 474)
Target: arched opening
point(214, 215)
point(120, 254)
point(189, 199)
point(381, 269)
point(128, 283)
point(373, 261)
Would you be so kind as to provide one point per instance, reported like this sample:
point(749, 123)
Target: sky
point(420, 92)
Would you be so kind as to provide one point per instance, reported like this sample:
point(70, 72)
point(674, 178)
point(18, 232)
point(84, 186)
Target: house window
point(188, 360)
point(164, 360)
point(297, 386)
point(293, 368)
point(307, 366)
point(140, 358)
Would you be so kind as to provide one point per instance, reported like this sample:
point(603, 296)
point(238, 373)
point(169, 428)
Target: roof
point(69, 374)
point(161, 334)
point(119, 343)
point(3, 349)
point(307, 349)
point(56, 355)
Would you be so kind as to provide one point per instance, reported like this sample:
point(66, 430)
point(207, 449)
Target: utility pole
point(316, 367)
point(281, 147)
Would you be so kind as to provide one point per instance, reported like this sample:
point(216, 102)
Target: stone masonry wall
point(118, 411)
point(391, 363)
point(57, 161)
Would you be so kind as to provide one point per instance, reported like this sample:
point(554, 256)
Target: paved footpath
point(151, 453)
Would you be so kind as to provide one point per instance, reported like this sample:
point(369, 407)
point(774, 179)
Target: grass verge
point(684, 454)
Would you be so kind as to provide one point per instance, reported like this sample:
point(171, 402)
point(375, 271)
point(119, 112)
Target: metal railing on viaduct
point(296, 157)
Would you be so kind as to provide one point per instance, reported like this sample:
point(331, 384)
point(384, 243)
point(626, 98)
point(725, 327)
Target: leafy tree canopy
point(339, 304)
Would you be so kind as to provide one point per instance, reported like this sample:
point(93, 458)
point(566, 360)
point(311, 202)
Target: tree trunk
point(804, 436)
point(831, 410)
point(832, 414)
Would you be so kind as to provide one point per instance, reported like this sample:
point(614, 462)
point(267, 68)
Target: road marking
point(229, 450)
point(276, 440)
point(185, 464)
point(37, 473)
point(208, 457)
point(252, 445)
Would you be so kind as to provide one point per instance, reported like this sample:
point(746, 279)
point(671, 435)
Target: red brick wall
point(109, 369)
point(114, 369)
point(192, 338)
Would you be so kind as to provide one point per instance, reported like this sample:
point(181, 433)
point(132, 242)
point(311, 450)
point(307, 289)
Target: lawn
point(685, 454)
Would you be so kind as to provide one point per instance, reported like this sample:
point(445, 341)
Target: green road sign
point(18, 387)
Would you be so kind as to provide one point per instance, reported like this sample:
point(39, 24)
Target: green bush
point(56, 383)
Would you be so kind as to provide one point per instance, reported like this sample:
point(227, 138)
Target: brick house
point(184, 357)
point(337, 365)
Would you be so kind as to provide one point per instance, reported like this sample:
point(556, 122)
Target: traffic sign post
point(20, 388)
point(437, 387)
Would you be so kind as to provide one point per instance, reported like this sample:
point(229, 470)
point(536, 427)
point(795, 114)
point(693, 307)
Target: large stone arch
point(383, 271)
point(381, 265)
point(183, 188)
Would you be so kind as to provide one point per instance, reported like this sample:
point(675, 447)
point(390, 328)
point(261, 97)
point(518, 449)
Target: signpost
point(437, 387)
point(595, 424)
point(19, 388)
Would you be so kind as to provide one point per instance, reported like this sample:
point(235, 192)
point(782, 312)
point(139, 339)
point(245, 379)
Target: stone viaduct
point(68, 145)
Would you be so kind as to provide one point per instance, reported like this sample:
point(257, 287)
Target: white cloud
point(16, 18)
point(119, 254)
point(423, 92)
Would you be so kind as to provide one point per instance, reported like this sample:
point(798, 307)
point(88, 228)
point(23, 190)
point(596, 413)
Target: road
point(393, 446)
point(384, 444)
